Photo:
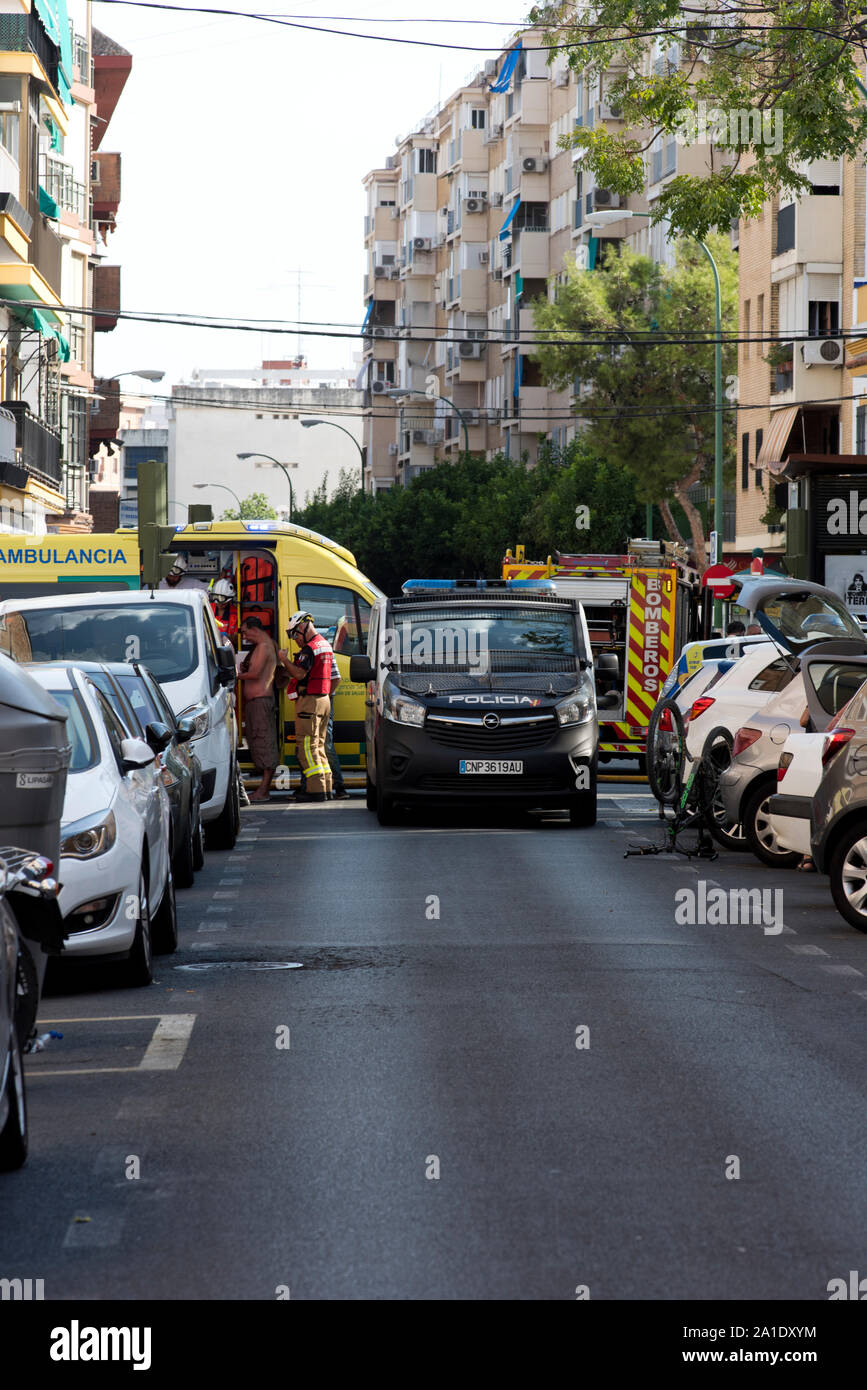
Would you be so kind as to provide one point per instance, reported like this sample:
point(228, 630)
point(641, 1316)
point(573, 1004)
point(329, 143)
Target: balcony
point(59, 182)
point(106, 297)
point(82, 61)
point(810, 230)
point(530, 253)
point(24, 33)
point(104, 413)
point(38, 446)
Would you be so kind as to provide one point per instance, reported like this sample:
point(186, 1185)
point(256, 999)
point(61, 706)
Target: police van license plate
point(485, 767)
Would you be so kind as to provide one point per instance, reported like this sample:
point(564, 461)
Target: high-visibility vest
point(318, 679)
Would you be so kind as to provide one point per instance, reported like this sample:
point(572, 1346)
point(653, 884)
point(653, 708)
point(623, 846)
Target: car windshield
point(160, 634)
point(483, 637)
point(139, 697)
point(807, 617)
point(79, 730)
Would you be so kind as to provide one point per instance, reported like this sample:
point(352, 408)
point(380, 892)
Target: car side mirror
point(360, 670)
point(607, 666)
point(158, 736)
point(186, 729)
point(135, 754)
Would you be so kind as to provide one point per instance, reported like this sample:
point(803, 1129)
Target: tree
point(256, 507)
point(765, 87)
point(650, 405)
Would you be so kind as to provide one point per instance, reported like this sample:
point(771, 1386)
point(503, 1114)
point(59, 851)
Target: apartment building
point(469, 220)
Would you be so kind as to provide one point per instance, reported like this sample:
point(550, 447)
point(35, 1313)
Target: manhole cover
point(242, 965)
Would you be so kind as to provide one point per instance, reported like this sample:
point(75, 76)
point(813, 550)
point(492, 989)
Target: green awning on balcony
point(55, 19)
point(47, 205)
point(35, 318)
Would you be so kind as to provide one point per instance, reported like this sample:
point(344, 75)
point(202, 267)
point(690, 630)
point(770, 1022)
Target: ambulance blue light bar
point(411, 585)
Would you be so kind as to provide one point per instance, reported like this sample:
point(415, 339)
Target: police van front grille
point(484, 741)
point(497, 785)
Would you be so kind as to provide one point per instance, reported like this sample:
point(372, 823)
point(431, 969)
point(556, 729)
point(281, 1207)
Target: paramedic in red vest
point(312, 669)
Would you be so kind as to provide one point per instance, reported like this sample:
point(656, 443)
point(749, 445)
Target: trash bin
point(34, 758)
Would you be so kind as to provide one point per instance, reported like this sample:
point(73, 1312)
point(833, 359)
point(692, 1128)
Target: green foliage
point(650, 405)
point(458, 519)
point(256, 507)
point(778, 81)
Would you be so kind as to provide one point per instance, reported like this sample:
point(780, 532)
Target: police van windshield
point(162, 635)
point(483, 637)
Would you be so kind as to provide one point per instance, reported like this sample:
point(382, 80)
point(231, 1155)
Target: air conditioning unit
point(496, 200)
point(381, 331)
point(380, 272)
point(562, 78)
point(534, 164)
point(470, 349)
point(421, 243)
point(604, 198)
point(472, 417)
point(824, 352)
point(484, 257)
point(475, 204)
point(490, 67)
point(421, 437)
point(393, 449)
point(606, 112)
point(497, 272)
point(379, 388)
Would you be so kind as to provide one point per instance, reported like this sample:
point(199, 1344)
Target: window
point(78, 730)
point(823, 318)
point(746, 330)
point(113, 727)
point(760, 434)
point(861, 429)
point(426, 161)
point(759, 482)
point(745, 460)
point(477, 118)
point(785, 229)
point(334, 615)
point(774, 677)
point(139, 697)
point(160, 634)
point(9, 133)
point(760, 323)
point(103, 681)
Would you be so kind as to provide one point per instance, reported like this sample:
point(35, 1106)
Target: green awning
point(47, 204)
point(55, 133)
point(35, 318)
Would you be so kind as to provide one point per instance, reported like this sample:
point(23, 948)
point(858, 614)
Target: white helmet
point(299, 619)
point(223, 591)
point(180, 565)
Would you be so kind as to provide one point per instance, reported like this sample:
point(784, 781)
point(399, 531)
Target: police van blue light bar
point(411, 585)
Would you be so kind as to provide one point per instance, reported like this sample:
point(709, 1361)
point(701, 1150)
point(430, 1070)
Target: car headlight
point(400, 708)
point(579, 707)
point(201, 716)
point(88, 838)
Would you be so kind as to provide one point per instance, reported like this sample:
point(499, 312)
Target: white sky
point(244, 146)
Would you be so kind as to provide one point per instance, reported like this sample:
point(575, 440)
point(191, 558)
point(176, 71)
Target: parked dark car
point(137, 698)
point(838, 819)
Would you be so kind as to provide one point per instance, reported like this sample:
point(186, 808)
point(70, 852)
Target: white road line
point(213, 926)
point(169, 1043)
point(94, 1232)
point(841, 970)
point(807, 950)
point(861, 993)
point(103, 1018)
point(225, 893)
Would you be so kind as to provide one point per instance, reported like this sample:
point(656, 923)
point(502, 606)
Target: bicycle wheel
point(716, 756)
point(666, 752)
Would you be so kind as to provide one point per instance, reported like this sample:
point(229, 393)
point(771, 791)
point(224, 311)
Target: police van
point(480, 691)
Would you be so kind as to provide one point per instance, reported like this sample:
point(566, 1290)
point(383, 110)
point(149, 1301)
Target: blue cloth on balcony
point(47, 204)
point(506, 71)
point(504, 230)
point(368, 314)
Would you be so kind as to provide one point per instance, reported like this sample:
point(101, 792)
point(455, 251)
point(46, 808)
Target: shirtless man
point(259, 706)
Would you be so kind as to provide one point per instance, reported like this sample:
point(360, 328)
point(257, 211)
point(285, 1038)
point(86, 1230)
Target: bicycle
point(693, 801)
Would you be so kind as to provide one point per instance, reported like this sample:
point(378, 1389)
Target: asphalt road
point(432, 1131)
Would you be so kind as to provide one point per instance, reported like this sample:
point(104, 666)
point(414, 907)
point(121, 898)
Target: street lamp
point(311, 421)
point(603, 219)
point(146, 373)
point(276, 464)
point(397, 391)
point(223, 488)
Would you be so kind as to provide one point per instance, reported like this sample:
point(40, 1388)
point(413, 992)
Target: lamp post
point(223, 488)
point(311, 421)
point(276, 464)
point(146, 374)
point(397, 391)
point(603, 219)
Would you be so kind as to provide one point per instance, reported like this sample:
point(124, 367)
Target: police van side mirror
point(360, 670)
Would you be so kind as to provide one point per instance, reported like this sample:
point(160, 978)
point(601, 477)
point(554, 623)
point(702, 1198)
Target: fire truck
point(643, 606)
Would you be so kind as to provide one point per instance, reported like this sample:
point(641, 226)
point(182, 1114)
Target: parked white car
point(117, 894)
point(745, 687)
point(800, 772)
point(173, 633)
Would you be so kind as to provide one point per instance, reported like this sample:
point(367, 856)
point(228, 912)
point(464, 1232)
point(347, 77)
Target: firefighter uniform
point(311, 714)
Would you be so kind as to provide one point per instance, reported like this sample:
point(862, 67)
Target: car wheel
point(198, 840)
point(140, 965)
point(13, 1136)
point(370, 794)
point(847, 871)
point(759, 831)
point(716, 757)
point(666, 752)
point(183, 864)
point(164, 929)
point(26, 994)
point(386, 811)
point(222, 832)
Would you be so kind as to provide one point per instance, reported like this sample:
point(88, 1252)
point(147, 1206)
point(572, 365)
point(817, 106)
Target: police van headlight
point(579, 707)
point(400, 708)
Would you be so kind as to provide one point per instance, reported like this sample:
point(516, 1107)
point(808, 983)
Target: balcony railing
point(23, 33)
point(81, 58)
point(39, 446)
point(59, 183)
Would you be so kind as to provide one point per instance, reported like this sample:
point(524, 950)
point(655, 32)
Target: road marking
point(169, 1043)
point(227, 894)
point(103, 1018)
point(93, 1232)
point(841, 970)
point(212, 926)
point(807, 950)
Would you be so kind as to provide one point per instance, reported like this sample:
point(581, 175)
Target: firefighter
point(225, 609)
point(312, 670)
